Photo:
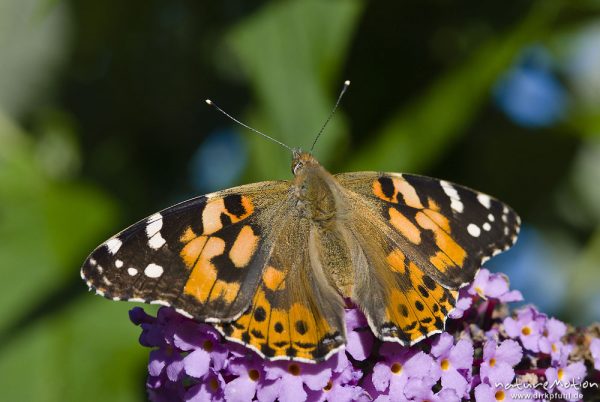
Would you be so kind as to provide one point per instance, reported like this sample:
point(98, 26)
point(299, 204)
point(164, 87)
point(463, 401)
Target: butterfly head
point(302, 159)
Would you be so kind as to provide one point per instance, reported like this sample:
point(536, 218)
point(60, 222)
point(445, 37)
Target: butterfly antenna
point(211, 103)
point(342, 92)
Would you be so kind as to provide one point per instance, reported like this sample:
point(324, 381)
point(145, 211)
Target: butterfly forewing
point(203, 256)
point(454, 228)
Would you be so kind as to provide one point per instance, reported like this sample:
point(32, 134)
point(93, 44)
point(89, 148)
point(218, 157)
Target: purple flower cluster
point(485, 354)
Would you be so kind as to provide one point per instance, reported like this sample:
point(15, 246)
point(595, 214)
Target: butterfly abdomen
point(330, 251)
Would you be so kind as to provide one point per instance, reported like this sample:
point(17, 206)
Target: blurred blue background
point(103, 122)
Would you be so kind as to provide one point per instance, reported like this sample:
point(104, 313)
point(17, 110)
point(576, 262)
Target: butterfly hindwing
point(203, 257)
point(295, 314)
point(426, 238)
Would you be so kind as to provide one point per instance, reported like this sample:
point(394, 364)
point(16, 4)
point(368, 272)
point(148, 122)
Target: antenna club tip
point(208, 102)
point(347, 82)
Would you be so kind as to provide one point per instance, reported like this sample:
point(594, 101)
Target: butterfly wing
point(295, 314)
point(421, 239)
point(203, 257)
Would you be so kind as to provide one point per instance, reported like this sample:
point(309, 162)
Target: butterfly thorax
point(314, 188)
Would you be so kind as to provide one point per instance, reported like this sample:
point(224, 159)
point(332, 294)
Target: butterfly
point(272, 265)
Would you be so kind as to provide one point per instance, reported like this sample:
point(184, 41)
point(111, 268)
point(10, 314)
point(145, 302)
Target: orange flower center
point(499, 395)
point(445, 364)
point(328, 386)
point(208, 346)
point(492, 362)
point(560, 374)
point(213, 384)
point(294, 369)
point(396, 368)
point(526, 331)
point(253, 374)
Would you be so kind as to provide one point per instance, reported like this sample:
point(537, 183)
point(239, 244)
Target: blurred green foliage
point(291, 74)
point(45, 225)
point(106, 98)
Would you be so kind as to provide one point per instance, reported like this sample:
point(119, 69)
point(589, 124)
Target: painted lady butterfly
point(269, 264)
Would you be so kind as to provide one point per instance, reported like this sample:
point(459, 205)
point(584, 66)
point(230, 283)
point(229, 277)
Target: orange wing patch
point(224, 290)
point(244, 247)
point(417, 309)
point(395, 188)
point(443, 240)
point(273, 278)
point(237, 244)
point(232, 207)
point(204, 273)
point(405, 226)
point(395, 261)
point(292, 333)
point(191, 251)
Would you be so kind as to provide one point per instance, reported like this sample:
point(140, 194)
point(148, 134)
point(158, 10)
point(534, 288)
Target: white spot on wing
point(113, 245)
point(473, 230)
point(153, 271)
point(449, 189)
point(455, 202)
point(132, 271)
point(118, 263)
point(457, 205)
point(155, 239)
point(487, 227)
point(485, 200)
point(491, 218)
point(154, 224)
point(92, 262)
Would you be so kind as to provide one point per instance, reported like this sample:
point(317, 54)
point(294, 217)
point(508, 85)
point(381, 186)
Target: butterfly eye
point(296, 167)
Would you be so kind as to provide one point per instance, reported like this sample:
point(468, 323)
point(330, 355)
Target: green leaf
point(417, 136)
point(84, 353)
point(33, 43)
point(291, 52)
point(44, 226)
